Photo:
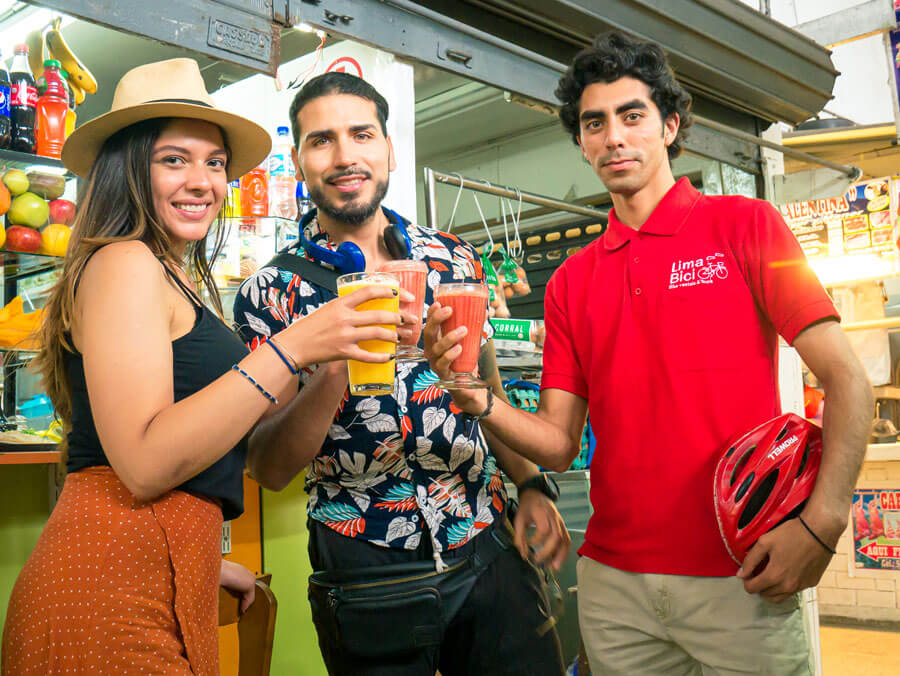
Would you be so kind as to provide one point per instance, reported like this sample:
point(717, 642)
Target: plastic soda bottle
point(281, 177)
point(5, 122)
point(255, 192)
point(23, 99)
point(51, 112)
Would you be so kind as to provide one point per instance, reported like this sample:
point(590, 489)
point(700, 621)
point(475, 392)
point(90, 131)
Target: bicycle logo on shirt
point(703, 270)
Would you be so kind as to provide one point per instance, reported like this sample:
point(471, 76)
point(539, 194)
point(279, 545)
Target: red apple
point(21, 238)
point(62, 211)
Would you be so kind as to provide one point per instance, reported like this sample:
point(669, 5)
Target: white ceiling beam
point(853, 23)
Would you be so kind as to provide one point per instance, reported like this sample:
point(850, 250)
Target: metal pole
point(502, 191)
point(850, 171)
point(431, 211)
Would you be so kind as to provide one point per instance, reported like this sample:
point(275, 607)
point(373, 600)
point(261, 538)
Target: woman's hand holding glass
point(334, 331)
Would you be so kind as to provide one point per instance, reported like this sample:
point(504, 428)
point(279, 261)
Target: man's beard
point(351, 214)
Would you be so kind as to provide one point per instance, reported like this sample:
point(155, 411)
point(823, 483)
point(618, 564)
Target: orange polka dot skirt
point(115, 586)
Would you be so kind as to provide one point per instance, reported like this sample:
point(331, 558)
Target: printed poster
point(875, 515)
point(852, 237)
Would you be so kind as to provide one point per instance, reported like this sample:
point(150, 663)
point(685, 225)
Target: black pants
point(501, 628)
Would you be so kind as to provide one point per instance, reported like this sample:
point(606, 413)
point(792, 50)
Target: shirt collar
point(667, 218)
point(314, 233)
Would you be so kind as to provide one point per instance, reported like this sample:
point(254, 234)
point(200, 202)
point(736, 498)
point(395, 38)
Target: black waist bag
point(397, 609)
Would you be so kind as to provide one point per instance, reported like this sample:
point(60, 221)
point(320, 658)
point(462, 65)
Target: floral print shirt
point(392, 466)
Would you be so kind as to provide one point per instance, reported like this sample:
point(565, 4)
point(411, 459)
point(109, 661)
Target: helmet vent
point(757, 499)
point(742, 489)
point(741, 464)
point(730, 451)
point(803, 460)
point(782, 434)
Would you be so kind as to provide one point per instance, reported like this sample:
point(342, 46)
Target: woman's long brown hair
point(115, 205)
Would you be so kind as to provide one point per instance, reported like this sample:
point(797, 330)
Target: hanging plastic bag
point(514, 277)
point(496, 287)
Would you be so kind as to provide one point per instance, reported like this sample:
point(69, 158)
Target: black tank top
point(198, 358)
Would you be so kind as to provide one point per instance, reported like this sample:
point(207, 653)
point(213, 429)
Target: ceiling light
point(304, 27)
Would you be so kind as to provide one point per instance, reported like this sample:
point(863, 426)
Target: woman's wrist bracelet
point(255, 384)
point(284, 355)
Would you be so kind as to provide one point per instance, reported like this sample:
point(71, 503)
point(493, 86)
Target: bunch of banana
point(77, 91)
point(37, 51)
point(80, 78)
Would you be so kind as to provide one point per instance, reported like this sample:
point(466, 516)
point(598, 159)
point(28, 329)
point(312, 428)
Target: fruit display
point(34, 225)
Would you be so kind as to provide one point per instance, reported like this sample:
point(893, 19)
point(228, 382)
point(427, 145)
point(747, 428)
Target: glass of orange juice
point(469, 303)
point(372, 379)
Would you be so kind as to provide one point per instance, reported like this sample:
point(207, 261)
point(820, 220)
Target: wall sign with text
point(876, 528)
point(852, 237)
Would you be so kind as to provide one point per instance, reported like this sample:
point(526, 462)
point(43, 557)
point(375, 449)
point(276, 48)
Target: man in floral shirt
point(399, 478)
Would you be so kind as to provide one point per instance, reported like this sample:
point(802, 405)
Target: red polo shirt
point(670, 332)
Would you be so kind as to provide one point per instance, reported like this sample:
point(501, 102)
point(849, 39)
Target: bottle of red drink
point(23, 100)
point(255, 192)
point(413, 277)
point(52, 109)
point(469, 303)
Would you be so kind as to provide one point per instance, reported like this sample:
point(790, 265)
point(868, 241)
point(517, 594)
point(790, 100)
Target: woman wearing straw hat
point(157, 394)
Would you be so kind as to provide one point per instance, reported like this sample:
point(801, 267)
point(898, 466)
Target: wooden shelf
point(29, 457)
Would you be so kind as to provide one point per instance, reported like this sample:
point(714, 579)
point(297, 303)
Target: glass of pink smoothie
point(412, 276)
point(469, 303)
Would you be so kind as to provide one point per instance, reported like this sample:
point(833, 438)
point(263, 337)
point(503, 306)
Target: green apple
point(28, 209)
point(16, 181)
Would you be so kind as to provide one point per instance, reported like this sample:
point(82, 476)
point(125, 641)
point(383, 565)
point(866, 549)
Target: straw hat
point(172, 88)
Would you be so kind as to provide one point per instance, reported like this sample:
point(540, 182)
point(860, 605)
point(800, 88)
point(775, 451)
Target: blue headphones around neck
point(349, 257)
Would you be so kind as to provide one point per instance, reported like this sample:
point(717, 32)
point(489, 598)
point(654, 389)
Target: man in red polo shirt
point(666, 329)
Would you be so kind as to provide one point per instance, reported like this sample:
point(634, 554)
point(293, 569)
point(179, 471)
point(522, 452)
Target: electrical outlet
point(226, 537)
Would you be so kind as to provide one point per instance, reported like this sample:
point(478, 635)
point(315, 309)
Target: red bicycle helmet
point(764, 478)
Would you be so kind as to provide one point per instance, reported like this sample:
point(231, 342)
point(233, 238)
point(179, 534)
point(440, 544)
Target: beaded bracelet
point(255, 384)
point(278, 350)
point(816, 537)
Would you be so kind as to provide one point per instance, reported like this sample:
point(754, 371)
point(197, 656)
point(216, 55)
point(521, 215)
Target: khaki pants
point(644, 624)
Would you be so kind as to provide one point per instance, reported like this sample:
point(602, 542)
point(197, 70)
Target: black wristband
point(816, 537)
point(542, 482)
point(487, 411)
point(469, 420)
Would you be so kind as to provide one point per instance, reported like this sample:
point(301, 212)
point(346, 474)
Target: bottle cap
point(283, 131)
point(21, 47)
point(52, 63)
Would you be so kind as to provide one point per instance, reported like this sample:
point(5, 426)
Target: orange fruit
point(4, 200)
